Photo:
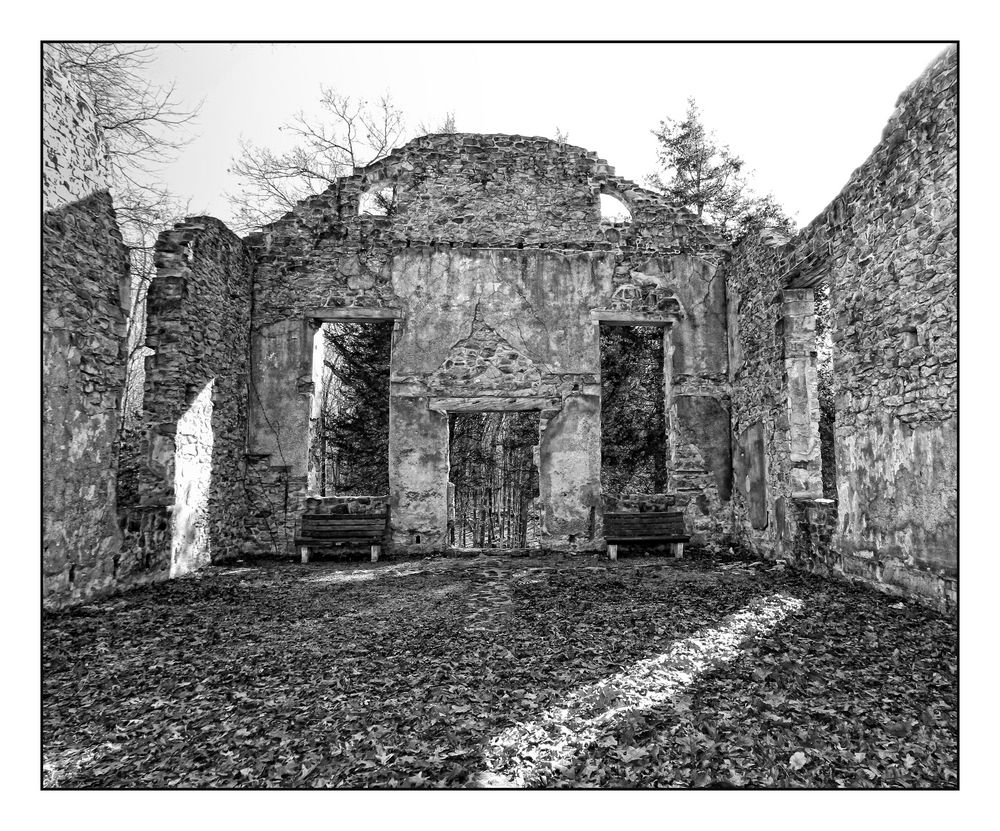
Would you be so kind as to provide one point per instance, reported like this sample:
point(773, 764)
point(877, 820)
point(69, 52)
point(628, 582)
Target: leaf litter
point(456, 672)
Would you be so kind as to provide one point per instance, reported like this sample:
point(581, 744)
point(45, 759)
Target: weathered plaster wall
point(886, 246)
point(84, 274)
point(493, 262)
point(188, 503)
point(504, 329)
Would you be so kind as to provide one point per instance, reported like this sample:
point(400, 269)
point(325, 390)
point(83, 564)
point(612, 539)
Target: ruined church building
point(496, 272)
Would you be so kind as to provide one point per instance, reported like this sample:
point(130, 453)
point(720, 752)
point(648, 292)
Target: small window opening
point(614, 210)
point(378, 201)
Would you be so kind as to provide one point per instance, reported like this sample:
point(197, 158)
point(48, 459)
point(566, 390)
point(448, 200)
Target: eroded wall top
point(75, 154)
point(463, 190)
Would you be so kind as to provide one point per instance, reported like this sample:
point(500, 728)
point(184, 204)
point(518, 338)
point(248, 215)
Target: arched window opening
point(379, 200)
point(614, 210)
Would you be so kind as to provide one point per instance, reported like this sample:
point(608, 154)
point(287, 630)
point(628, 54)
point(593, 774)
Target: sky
point(802, 116)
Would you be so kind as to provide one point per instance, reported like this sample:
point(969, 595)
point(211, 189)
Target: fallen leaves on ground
point(407, 674)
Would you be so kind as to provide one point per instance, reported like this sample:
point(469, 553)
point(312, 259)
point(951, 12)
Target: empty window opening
point(824, 376)
point(349, 424)
point(614, 210)
point(378, 201)
point(633, 420)
point(493, 480)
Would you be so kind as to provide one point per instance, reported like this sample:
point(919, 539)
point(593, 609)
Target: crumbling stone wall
point(85, 278)
point(886, 247)
point(492, 241)
point(189, 460)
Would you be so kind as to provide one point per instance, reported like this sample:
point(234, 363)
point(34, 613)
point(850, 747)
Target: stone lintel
point(353, 314)
point(617, 317)
point(492, 403)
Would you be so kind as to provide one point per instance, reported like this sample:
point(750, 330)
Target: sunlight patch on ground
point(362, 575)
point(554, 740)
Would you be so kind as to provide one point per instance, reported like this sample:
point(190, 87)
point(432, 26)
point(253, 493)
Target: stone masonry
point(189, 459)
point(85, 279)
point(496, 270)
point(887, 249)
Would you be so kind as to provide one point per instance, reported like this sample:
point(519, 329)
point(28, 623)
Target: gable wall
point(507, 228)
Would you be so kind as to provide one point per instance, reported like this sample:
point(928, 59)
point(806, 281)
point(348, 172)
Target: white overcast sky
point(803, 116)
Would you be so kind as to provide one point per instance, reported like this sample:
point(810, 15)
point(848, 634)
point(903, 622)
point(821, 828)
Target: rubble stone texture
point(189, 459)
point(496, 270)
point(85, 271)
point(887, 247)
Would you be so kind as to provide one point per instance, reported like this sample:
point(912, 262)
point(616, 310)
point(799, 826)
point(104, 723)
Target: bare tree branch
point(349, 133)
point(145, 127)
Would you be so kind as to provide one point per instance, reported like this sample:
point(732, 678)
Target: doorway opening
point(349, 422)
point(825, 389)
point(633, 411)
point(493, 480)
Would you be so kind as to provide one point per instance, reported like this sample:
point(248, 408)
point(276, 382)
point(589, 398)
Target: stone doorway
point(635, 455)
point(493, 480)
point(349, 414)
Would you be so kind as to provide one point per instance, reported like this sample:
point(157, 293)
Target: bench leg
point(305, 553)
point(677, 549)
point(376, 550)
point(613, 552)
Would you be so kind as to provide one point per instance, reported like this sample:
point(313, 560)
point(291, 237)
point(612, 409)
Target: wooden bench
point(341, 529)
point(648, 526)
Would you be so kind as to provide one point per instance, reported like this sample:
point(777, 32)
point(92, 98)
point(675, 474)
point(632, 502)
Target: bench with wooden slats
point(319, 530)
point(648, 526)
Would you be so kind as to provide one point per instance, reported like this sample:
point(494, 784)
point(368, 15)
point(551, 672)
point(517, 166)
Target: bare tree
point(352, 132)
point(141, 121)
point(144, 125)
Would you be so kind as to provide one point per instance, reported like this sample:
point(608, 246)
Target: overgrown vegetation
point(633, 428)
point(352, 435)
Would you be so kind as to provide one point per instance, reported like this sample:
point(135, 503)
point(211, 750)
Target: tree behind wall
point(709, 179)
point(633, 423)
point(354, 419)
point(347, 132)
point(491, 465)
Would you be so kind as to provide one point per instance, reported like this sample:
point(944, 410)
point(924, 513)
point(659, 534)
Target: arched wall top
point(498, 190)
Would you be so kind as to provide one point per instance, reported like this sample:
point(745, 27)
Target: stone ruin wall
point(85, 279)
point(887, 249)
point(510, 227)
point(183, 499)
point(496, 241)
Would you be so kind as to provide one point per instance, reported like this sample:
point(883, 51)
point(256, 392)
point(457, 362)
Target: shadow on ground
point(409, 674)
